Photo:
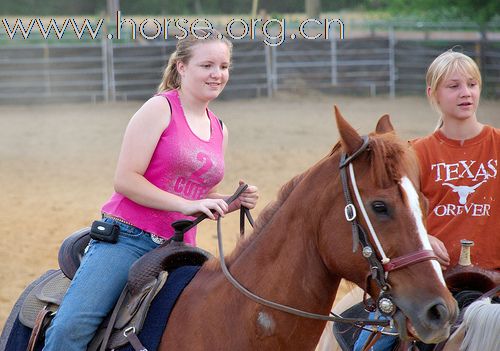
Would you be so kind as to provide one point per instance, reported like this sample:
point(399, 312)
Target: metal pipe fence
point(109, 71)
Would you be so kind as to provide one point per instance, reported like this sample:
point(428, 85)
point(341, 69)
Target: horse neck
point(285, 254)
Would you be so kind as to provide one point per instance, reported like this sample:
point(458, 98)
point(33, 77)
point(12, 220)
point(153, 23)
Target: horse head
point(382, 244)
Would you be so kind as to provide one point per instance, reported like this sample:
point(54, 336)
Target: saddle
point(146, 278)
point(72, 250)
point(49, 292)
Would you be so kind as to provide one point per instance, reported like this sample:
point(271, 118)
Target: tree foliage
point(478, 11)
point(174, 7)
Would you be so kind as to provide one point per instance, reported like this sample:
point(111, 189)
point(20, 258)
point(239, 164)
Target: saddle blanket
point(154, 324)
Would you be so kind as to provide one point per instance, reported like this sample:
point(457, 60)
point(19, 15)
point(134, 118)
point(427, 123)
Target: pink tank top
point(182, 164)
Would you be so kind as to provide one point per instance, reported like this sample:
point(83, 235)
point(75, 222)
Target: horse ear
point(384, 125)
point(351, 141)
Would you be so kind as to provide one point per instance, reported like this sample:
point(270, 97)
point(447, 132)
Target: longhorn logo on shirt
point(475, 174)
point(463, 191)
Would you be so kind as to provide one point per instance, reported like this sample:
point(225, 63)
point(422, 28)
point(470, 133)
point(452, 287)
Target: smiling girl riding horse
point(356, 214)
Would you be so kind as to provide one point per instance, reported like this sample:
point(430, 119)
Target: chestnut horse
point(302, 246)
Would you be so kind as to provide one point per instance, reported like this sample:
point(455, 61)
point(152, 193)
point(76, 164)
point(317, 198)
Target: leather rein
point(260, 300)
point(379, 269)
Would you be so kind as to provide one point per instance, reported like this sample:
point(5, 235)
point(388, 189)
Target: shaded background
point(57, 159)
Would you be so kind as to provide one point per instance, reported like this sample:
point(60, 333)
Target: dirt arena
point(57, 164)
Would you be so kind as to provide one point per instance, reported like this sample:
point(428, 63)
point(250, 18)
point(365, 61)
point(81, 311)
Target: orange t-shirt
point(461, 183)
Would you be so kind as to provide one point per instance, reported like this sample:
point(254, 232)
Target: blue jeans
point(96, 287)
point(385, 343)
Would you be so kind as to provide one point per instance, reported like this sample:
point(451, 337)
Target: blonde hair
point(449, 61)
point(183, 53)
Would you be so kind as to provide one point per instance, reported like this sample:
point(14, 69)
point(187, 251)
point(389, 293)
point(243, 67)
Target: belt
point(155, 238)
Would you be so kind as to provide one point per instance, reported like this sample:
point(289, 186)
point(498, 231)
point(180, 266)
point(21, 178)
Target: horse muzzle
point(430, 324)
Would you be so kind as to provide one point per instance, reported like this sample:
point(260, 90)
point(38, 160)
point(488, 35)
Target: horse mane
point(481, 326)
point(264, 218)
point(269, 211)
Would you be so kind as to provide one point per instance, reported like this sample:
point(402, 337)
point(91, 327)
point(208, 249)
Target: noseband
point(379, 267)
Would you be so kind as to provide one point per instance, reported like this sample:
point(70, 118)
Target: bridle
point(379, 267)
point(182, 226)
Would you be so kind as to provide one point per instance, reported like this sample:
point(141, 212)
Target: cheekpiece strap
point(348, 159)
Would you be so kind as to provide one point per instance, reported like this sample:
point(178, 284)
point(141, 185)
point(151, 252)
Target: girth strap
point(134, 340)
point(112, 321)
point(42, 321)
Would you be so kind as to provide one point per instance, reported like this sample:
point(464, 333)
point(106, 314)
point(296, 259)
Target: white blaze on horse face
point(412, 196)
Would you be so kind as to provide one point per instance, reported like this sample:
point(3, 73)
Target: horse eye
point(380, 207)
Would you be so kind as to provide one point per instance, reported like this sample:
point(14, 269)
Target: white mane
point(482, 327)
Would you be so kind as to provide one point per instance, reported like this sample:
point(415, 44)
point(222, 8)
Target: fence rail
point(108, 71)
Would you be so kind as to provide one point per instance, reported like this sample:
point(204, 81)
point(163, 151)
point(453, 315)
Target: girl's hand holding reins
point(247, 199)
point(210, 207)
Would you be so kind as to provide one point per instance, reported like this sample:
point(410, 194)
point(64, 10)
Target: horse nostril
point(437, 314)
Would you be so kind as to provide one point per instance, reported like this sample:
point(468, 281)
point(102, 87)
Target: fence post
point(274, 68)
point(111, 71)
point(46, 70)
point(105, 73)
point(269, 72)
point(392, 63)
point(333, 54)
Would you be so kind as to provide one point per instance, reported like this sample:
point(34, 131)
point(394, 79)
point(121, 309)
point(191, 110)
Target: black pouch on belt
point(103, 231)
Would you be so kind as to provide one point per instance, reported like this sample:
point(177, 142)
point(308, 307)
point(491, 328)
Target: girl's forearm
point(138, 189)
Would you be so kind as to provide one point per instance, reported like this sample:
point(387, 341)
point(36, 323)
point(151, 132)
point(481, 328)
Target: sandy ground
point(57, 164)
